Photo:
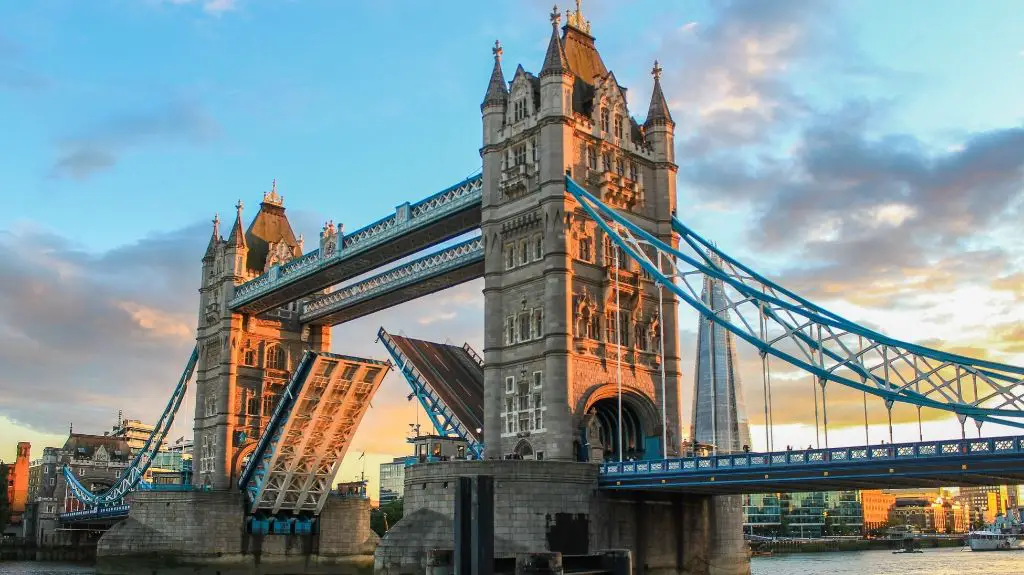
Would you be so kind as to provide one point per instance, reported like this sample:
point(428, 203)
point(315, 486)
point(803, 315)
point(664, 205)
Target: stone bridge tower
point(552, 324)
point(245, 361)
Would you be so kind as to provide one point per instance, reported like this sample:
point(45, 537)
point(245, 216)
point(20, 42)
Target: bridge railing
point(831, 456)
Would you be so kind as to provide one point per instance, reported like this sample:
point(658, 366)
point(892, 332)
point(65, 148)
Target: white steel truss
point(310, 433)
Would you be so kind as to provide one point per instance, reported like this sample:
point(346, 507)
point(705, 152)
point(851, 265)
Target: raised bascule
point(574, 406)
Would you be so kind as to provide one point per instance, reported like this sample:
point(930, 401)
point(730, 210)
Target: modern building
point(135, 433)
point(392, 478)
point(988, 502)
point(719, 412)
point(877, 505)
point(762, 514)
point(16, 481)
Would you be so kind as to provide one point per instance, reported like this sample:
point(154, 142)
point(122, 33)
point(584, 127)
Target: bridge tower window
point(510, 256)
point(510, 330)
point(604, 119)
point(538, 323)
point(591, 158)
point(538, 248)
point(275, 357)
point(520, 154)
point(524, 327)
point(618, 126)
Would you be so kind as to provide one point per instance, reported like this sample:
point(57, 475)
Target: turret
point(659, 126)
point(495, 100)
point(236, 248)
point(556, 80)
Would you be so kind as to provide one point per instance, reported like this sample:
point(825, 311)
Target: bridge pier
point(205, 533)
point(556, 506)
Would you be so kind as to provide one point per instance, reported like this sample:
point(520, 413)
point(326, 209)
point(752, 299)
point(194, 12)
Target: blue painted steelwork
point(823, 469)
point(96, 513)
point(441, 416)
point(432, 265)
point(132, 474)
point(813, 339)
point(255, 471)
point(406, 218)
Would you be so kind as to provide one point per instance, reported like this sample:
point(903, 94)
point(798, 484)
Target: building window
point(591, 158)
point(523, 333)
point(618, 126)
point(533, 150)
point(606, 161)
point(584, 252)
point(252, 406)
point(275, 357)
point(619, 169)
point(510, 383)
point(349, 372)
point(510, 330)
point(538, 323)
point(632, 171)
point(524, 253)
point(249, 356)
point(520, 154)
point(510, 256)
point(270, 403)
point(538, 248)
point(539, 424)
point(211, 405)
point(519, 110)
point(538, 380)
point(370, 374)
point(604, 119)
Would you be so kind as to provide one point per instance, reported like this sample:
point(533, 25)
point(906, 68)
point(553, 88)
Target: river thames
point(931, 562)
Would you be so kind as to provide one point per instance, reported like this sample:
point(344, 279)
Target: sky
point(868, 155)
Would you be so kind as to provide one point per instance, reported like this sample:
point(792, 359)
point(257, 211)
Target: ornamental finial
point(556, 17)
point(272, 196)
point(497, 50)
point(239, 207)
point(656, 71)
point(576, 20)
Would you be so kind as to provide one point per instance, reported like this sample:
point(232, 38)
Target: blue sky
point(867, 154)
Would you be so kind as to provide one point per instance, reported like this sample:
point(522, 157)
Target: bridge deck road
point(456, 378)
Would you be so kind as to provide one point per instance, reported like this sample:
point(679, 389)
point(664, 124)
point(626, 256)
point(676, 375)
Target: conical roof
point(497, 89)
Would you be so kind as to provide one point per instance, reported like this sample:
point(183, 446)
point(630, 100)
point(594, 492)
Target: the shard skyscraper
point(719, 412)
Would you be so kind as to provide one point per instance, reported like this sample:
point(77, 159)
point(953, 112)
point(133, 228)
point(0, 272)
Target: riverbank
point(833, 545)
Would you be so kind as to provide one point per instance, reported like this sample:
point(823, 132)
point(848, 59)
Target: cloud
point(14, 76)
point(102, 146)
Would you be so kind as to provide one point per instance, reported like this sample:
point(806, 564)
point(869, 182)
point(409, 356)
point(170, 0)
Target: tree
point(385, 516)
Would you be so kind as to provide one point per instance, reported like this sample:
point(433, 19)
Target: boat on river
point(1005, 534)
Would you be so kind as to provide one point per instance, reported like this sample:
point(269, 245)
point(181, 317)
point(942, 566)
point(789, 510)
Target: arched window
point(275, 357)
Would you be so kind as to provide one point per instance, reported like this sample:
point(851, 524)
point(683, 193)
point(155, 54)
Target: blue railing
point(981, 447)
point(95, 513)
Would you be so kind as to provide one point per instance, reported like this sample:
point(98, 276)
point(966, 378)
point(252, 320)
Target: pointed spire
point(555, 61)
point(237, 237)
point(211, 248)
point(497, 89)
point(658, 111)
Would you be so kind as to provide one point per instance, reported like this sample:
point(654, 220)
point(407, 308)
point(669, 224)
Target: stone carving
point(279, 253)
point(329, 240)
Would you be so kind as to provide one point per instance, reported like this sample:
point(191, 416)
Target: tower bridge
point(585, 265)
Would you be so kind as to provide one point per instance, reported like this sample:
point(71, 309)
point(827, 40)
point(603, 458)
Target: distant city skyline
point(860, 155)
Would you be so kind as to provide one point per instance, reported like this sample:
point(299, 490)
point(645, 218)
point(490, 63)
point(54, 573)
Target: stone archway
point(241, 459)
point(599, 417)
point(524, 450)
